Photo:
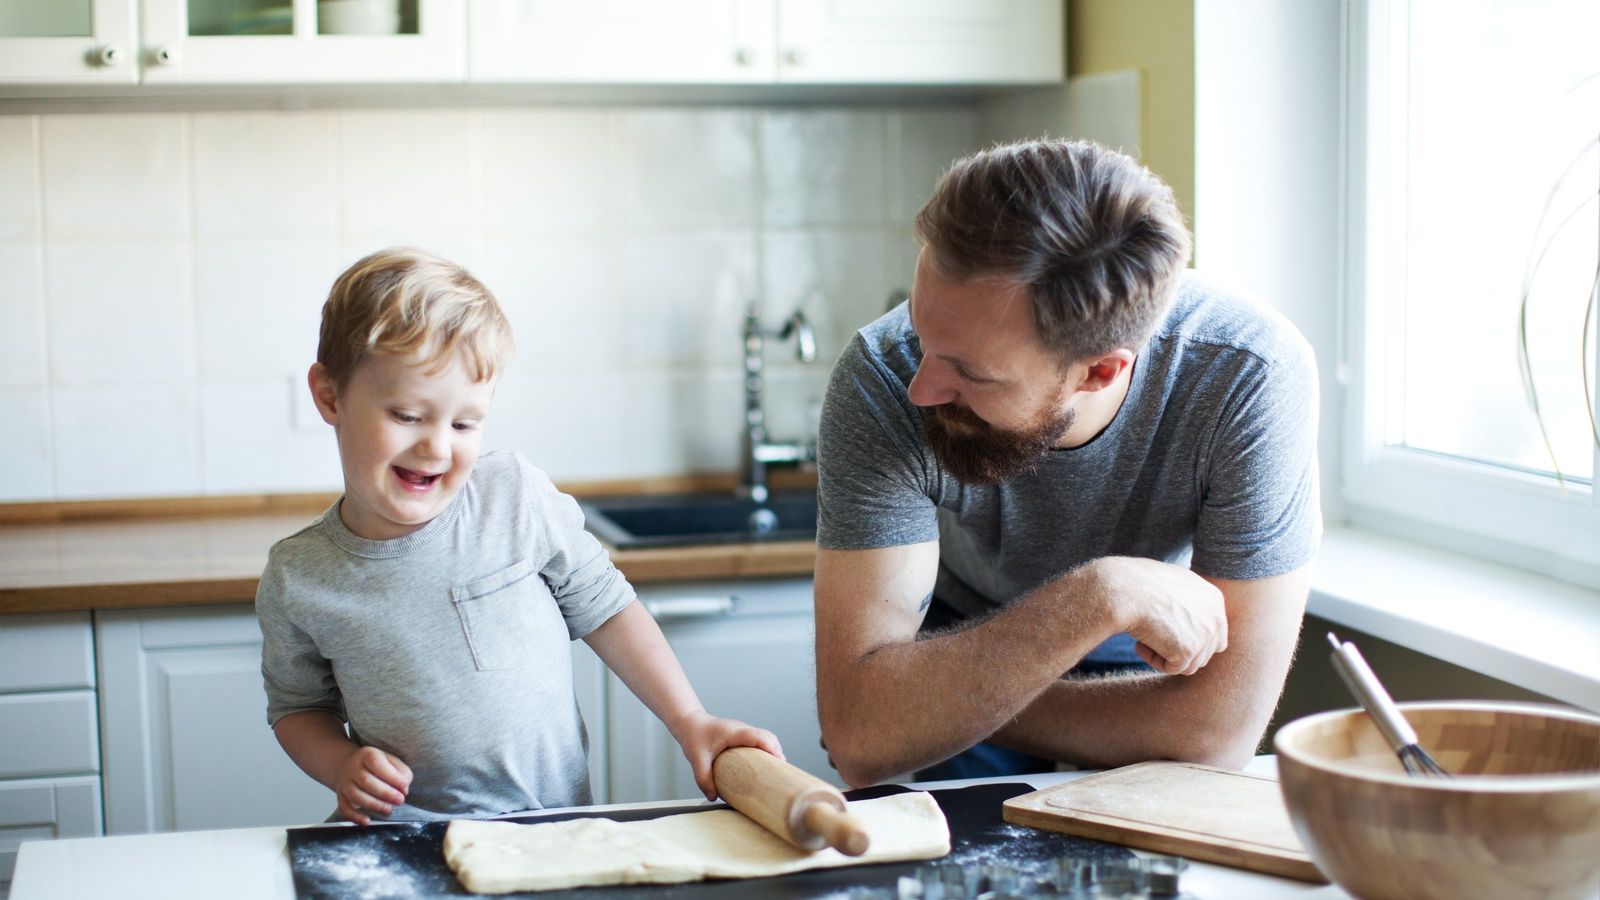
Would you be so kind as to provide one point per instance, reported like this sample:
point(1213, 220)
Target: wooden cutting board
point(1201, 812)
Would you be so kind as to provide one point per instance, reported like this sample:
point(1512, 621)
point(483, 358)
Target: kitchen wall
point(161, 275)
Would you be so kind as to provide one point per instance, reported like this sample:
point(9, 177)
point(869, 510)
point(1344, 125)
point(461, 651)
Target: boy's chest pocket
point(502, 615)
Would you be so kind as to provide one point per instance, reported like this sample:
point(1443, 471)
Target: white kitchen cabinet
point(747, 649)
point(920, 41)
point(272, 42)
point(68, 42)
point(184, 713)
point(768, 41)
point(43, 809)
point(184, 723)
point(49, 737)
point(622, 41)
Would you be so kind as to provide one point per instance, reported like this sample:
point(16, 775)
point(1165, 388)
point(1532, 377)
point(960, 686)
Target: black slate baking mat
point(407, 860)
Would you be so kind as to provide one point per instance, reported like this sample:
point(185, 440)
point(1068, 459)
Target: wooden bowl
point(1520, 819)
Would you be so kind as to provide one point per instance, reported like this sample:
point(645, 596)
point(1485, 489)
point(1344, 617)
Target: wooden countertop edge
point(640, 566)
point(42, 512)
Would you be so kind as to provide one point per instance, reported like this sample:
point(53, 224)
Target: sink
point(681, 520)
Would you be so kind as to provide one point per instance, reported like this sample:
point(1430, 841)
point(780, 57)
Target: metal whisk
point(1369, 692)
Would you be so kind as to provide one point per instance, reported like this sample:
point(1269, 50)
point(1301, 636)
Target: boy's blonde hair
point(402, 300)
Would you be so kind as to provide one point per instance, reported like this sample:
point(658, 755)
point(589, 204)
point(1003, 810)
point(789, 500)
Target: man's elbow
point(1222, 748)
point(851, 758)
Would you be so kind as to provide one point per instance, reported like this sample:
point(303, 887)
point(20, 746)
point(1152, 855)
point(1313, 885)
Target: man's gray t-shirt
point(449, 647)
point(1213, 452)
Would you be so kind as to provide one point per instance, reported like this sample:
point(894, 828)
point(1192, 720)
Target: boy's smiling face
point(408, 438)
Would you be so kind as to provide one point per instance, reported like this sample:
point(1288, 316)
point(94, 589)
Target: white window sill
point(1519, 627)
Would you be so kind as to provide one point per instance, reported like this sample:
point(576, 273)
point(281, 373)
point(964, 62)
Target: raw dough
point(502, 857)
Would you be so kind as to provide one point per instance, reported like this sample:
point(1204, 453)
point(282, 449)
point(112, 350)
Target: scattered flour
point(357, 866)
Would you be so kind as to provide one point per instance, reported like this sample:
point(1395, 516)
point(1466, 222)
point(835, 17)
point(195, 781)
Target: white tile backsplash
point(922, 145)
point(822, 167)
point(571, 426)
point(561, 298)
point(793, 401)
point(840, 279)
point(108, 176)
point(26, 459)
point(400, 171)
point(258, 304)
point(119, 311)
point(19, 178)
point(685, 296)
point(549, 171)
point(22, 355)
point(248, 444)
point(126, 441)
point(689, 168)
point(685, 422)
point(162, 279)
point(264, 173)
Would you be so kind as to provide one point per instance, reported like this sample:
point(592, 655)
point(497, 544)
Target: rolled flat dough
point(501, 857)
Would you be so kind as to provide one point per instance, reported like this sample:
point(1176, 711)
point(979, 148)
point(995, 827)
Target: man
point(1068, 492)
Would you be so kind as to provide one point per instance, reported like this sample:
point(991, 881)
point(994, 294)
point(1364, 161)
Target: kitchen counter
point(252, 863)
point(179, 558)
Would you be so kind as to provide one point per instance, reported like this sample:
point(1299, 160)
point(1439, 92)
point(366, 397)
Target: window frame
point(1518, 518)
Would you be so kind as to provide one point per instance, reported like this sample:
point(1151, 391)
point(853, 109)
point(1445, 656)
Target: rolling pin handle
point(841, 831)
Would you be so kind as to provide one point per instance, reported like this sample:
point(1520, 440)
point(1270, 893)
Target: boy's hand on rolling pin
point(371, 780)
point(702, 736)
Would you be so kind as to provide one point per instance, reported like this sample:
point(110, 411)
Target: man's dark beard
point(975, 452)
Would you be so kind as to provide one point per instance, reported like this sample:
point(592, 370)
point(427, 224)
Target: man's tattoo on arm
point(926, 602)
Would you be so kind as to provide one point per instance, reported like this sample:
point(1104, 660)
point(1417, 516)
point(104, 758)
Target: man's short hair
point(402, 300)
point(1095, 237)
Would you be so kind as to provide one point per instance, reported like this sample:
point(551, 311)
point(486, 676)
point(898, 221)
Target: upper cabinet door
point(622, 41)
point(920, 41)
point(302, 41)
point(68, 41)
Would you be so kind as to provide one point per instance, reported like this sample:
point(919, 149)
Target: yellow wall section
point(1156, 37)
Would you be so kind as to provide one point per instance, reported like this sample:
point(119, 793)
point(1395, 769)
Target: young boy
point(431, 608)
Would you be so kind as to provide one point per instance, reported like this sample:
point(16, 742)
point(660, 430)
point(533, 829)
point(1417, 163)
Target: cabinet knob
point(743, 57)
point(794, 56)
point(110, 55)
point(164, 56)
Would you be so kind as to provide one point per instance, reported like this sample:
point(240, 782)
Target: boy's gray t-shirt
point(1213, 452)
point(449, 647)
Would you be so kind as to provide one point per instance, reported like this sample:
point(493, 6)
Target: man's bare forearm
point(1103, 722)
point(1216, 716)
point(909, 704)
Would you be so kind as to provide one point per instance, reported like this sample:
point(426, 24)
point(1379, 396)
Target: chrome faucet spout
point(757, 452)
point(805, 339)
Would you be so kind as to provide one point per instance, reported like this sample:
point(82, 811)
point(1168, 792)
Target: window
point(1472, 136)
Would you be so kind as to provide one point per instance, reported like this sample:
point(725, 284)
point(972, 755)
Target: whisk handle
point(1368, 690)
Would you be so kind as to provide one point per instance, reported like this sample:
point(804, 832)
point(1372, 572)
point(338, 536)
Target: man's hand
point(1177, 617)
point(702, 736)
point(370, 780)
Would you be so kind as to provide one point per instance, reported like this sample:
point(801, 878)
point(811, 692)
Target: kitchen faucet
point(758, 452)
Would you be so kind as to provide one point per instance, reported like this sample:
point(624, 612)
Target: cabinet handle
point(164, 56)
point(794, 56)
point(691, 607)
point(109, 56)
point(743, 57)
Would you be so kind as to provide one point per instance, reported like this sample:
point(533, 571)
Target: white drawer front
point(48, 734)
point(45, 810)
point(46, 652)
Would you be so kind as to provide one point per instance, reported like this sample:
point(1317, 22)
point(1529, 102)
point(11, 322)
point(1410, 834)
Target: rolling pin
point(800, 808)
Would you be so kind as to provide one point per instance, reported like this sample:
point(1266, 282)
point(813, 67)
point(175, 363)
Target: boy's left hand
point(702, 736)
